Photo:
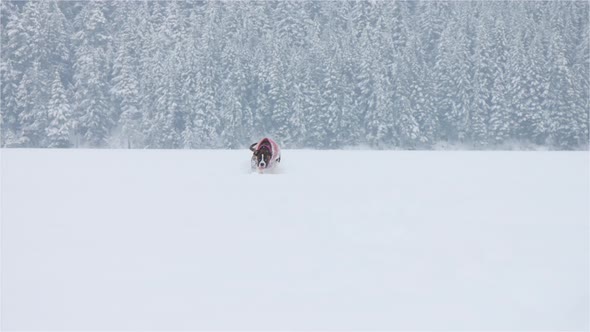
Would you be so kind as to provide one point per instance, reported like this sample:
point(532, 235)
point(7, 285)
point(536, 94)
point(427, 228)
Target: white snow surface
point(335, 240)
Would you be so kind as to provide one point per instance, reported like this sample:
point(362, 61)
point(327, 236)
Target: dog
point(266, 154)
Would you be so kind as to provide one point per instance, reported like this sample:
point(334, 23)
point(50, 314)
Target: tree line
point(315, 74)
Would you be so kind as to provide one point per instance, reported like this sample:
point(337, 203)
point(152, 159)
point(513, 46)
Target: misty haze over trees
point(317, 74)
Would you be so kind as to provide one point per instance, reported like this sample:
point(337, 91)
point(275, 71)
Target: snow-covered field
point(337, 240)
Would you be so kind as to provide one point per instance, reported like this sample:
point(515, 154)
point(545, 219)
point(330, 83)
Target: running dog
point(266, 154)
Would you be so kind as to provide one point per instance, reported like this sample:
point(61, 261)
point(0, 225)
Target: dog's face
point(262, 157)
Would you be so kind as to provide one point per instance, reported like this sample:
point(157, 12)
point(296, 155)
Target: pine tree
point(165, 132)
point(564, 132)
point(349, 133)
point(408, 131)
point(296, 124)
point(580, 64)
point(499, 121)
point(478, 117)
point(277, 99)
point(364, 80)
point(56, 39)
point(379, 121)
point(453, 90)
point(126, 82)
point(32, 98)
point(290, 23)
point(206, 123)
point(59, 113)
point(9, 118)
point(483, 83)
point(394, 21)
point(331, 105)
point(314, 120)
point(499, 125)
point(231, 107)
point(93, 109)
point(528, 84)
point(419, 86)
point(189, 88)
point(9, 77)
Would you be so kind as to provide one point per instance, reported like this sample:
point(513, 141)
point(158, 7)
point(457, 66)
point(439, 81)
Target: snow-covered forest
point(317, 74)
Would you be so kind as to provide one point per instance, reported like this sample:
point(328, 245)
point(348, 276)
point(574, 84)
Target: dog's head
point(262, 156)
